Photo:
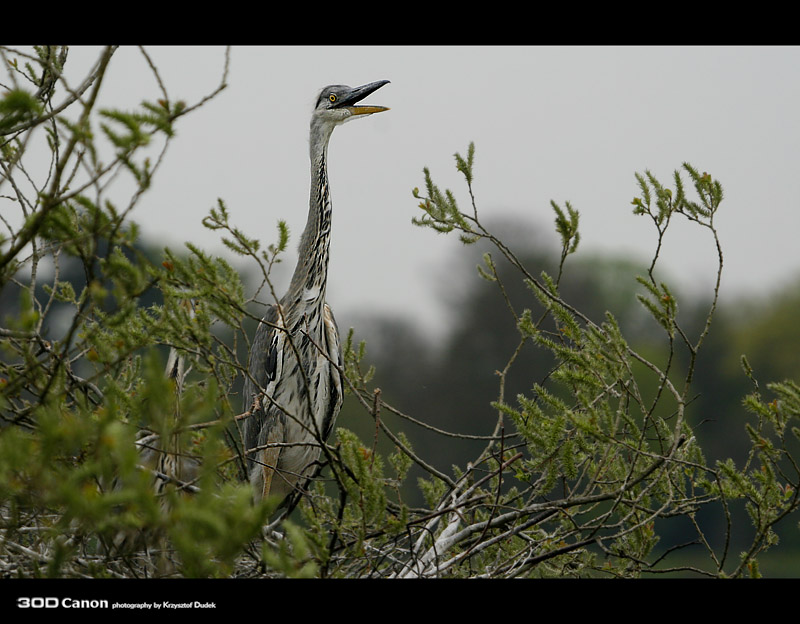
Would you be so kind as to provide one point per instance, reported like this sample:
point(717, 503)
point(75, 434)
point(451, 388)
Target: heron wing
point(266, 426)
point(263, 360)
point(262, 369)
point(334, 348)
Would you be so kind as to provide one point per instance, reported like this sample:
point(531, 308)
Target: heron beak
point(366, 110)
point(358, 94)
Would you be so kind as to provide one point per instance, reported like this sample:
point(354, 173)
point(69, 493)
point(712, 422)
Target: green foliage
point(17, 106)
point(89, 416)
point(661, 304)
point(293, 556)
point(567, 227)
point(441, 208)
point(609, 450)
point(353, 358)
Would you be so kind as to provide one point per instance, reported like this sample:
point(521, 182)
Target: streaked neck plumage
point(307, 288)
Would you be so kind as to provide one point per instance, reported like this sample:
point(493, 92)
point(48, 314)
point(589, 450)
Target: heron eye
point(332, 97)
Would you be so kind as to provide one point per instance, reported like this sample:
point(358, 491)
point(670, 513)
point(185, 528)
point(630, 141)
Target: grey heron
point(294, 387)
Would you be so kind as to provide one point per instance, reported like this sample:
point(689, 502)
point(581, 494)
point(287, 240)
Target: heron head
point(338, 103)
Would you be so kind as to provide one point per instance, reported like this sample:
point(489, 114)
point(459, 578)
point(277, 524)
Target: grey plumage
point(294, 389)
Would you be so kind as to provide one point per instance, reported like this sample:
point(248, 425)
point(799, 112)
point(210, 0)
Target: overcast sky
point(561, 123)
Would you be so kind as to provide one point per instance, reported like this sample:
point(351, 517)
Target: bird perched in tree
point(294, 386)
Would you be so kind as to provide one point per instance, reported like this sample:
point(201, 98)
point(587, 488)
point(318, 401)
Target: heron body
point(294, 388)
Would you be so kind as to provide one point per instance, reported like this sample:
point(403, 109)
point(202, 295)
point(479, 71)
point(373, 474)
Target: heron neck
point(307, 288)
